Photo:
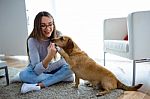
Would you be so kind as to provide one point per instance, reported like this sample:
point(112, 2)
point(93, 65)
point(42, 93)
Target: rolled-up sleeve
point(39, 68)
point(55, 65)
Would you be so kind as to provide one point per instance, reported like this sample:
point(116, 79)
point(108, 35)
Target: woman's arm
point(51, 53)
point(33, 52)
point(39, 65)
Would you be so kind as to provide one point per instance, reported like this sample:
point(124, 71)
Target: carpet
point(57, 91)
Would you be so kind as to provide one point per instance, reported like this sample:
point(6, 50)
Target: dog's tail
point(128, 88)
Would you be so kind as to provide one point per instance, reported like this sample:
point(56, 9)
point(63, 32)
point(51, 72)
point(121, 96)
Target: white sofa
point(137, 48)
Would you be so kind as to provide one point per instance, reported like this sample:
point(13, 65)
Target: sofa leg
point(7, 76)
point(104, 58)
point(134, 72)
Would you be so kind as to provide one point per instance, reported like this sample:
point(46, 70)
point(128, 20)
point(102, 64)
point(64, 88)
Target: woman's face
point(47, 26)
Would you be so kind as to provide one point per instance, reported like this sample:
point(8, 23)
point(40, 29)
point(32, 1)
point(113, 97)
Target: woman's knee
point(27, 76)
point(23, 75)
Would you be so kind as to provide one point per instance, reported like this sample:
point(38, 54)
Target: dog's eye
point(61, 38)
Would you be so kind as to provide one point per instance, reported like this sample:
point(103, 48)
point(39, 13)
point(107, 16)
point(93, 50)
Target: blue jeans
point(29, 76)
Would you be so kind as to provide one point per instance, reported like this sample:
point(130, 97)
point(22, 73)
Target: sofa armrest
point(115, 28)
point(139, 33)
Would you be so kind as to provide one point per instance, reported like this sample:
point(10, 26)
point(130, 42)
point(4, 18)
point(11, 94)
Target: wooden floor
point(143, 93)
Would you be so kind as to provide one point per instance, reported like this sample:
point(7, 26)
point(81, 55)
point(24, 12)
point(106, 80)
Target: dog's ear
point(62, 38)
point(70, 44)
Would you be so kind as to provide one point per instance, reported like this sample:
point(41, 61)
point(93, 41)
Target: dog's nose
point(55, 45)
point(52, 40)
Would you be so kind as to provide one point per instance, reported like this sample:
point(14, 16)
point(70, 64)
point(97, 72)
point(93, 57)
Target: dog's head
point(64, 42)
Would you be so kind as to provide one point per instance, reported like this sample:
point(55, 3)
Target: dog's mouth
point(56, 45)
point(56, 42)
point(53, 40)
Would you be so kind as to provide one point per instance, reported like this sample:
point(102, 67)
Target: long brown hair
point(37, 32)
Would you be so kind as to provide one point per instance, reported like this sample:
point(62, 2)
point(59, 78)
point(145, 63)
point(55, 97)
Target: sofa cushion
point(116, 45)
point(126, 37)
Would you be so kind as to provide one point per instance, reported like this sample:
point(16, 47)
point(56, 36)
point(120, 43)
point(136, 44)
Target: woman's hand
point(50, 55)
point(51, 50)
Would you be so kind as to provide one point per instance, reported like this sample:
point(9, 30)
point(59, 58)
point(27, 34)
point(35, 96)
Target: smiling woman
point(47, 26)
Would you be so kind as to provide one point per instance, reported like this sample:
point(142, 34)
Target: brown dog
point(87, 69)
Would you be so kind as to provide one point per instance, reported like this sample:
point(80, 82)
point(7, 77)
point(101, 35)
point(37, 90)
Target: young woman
point(45, 68)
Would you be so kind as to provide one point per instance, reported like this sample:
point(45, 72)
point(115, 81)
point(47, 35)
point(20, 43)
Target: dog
point(86, 68)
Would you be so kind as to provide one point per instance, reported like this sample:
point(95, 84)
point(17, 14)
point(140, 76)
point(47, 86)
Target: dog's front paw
point(58, 48)
point(75, 86)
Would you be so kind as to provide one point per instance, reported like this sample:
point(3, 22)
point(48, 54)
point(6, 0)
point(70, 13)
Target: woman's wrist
point(46, 61)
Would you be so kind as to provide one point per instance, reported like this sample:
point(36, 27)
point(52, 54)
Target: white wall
point(83, 20)
point(80, 19)
point(35, 6)
point(13, 27)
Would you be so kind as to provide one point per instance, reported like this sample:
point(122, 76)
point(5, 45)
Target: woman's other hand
point(50, 55)
point(51, 50)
